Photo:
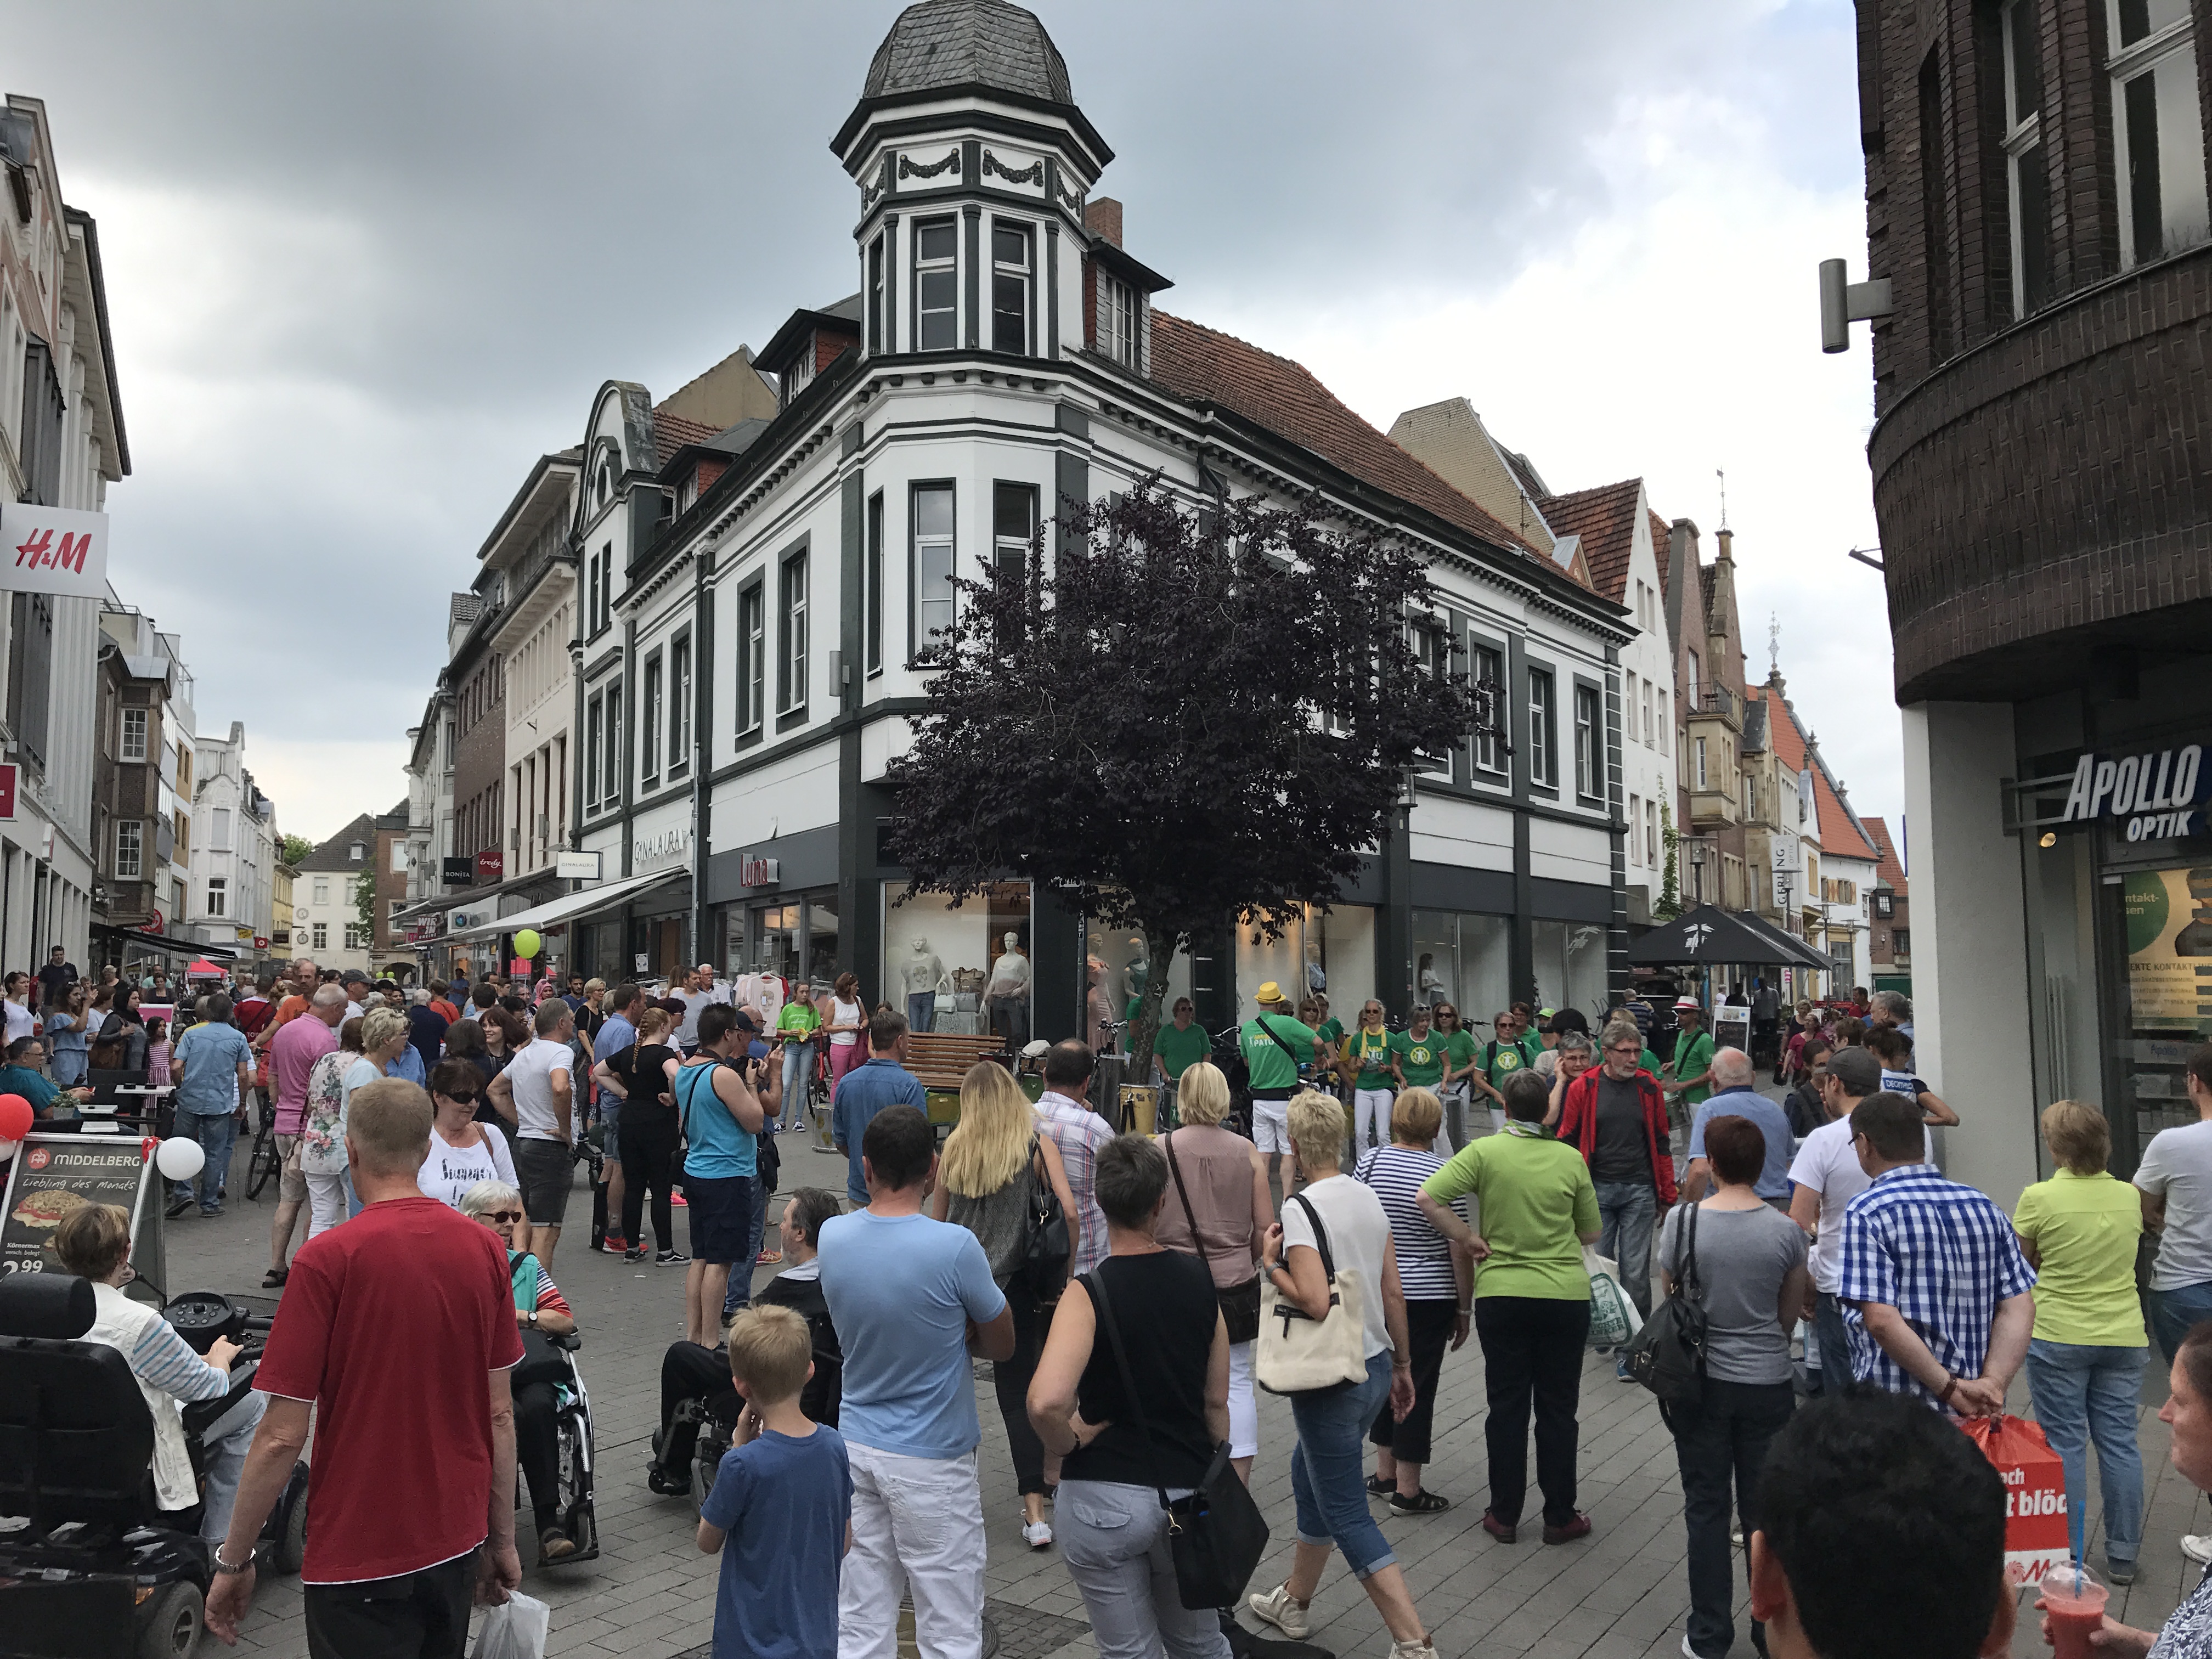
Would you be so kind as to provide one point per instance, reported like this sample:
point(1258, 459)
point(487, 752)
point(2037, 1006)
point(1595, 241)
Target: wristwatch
point(533, 1315)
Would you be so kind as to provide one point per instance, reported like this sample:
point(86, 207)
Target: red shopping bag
point(2034, 1476)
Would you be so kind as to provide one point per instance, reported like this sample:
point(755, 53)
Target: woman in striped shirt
point(1439, 1284)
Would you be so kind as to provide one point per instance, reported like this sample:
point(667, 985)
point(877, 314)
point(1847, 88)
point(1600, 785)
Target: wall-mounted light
point(1843, 302)
point(2049, 838)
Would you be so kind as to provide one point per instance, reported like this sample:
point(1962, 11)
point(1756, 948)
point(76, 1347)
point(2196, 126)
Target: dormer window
point(356, 851)
point(1010, 288)
point(1117, 320)
point(801, 372)
point(937, 286)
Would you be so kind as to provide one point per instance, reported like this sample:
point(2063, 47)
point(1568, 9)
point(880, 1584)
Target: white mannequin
point(1010, 974)
point(925, 973)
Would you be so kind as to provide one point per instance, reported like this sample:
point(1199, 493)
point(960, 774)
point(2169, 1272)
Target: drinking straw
point(2077, 1523)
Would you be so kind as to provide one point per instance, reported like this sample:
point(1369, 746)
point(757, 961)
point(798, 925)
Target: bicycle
point(266, 1160)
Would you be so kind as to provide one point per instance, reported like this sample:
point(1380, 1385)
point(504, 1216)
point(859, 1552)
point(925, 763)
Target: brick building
point(2036, 199)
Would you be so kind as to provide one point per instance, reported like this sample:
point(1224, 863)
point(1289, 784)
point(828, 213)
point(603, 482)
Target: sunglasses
point(503, 1215)
point(468, 1099)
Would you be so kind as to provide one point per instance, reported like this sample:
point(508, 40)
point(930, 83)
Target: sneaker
point(211, 1214)
point(613, 1244)
point(1620, 1369)
point(1423, 1648)
point(1689, 1652)
point(1277, 1607)
point(1037, 1535)
point(666, 1485)
point(670, 1258)
point(1577, 1527)
point(634, 1253)
point(177, 1207)
point(676, 1201)
point(769, 1258)
point(555, 1544)
point(2197, 1547)
point(2119, 1572)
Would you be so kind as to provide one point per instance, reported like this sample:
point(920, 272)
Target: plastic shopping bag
point(515, 1630)
point(2035, 1479)
point(1614, 1318)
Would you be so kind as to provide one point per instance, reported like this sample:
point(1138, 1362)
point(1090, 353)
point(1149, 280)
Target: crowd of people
point(1116, 1283)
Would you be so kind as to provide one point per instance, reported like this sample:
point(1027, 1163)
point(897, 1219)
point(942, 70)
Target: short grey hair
point(1732, 1068)
point(1574, 1043)
point(480, 1200)
point(327, 996)
point(1895, 1004)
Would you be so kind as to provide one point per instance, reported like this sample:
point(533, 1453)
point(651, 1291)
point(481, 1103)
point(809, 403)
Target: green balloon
point(527, 943)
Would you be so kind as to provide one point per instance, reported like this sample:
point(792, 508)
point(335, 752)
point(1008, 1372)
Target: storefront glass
point(822, 938)
point(949, 968)
point(1119, 966)
point(1463, 959)
point(1571, 967)
point(1339, 949)
point(1261, 960)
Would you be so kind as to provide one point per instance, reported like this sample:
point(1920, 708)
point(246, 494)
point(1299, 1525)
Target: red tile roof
point(671, 431)
point(1891, 869)
point(1202, 365)
point(1605, 518)
point(1662, 544)
point(1840, 836)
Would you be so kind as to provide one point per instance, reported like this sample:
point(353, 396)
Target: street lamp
point(1698, 866)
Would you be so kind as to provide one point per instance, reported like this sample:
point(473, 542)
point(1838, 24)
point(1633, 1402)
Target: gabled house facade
point(235, 850)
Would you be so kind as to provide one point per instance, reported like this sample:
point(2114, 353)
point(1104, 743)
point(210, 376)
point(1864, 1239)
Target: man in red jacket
point(1616, 1116)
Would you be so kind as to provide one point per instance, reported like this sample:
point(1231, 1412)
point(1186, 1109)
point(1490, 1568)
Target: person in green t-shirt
point(1330, 1027)
point(1417, 1057)
point(796, 1025)
point(1538, 1208)
point(1506, 1052)
point(1459, 1050)
point(1176, 1047)
point(1274, 1046)
point(1690, 1073)
point(1364, 1057)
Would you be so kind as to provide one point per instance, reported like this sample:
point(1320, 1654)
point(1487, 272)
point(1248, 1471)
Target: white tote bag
point(1298, 1353)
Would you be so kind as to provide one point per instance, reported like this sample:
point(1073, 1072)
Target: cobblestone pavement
point(1619, 1594)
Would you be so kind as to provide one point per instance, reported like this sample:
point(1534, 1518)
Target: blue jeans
point(1328, 1470)
point(1835, 1346)
point(2172, 1312)
point(1626, 1211)
point(920, 1010)
point(798, 1079)
point(217, 1132)
point(740, 1292)
point(2083, 1394)
point(1720, 1446)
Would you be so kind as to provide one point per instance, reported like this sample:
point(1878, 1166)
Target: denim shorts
point(546, 1170)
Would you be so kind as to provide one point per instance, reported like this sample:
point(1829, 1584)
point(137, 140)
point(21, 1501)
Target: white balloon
point(7, 1150)
point(180, 1157)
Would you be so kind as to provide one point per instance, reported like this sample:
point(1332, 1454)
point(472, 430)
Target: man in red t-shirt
point(400, 1327)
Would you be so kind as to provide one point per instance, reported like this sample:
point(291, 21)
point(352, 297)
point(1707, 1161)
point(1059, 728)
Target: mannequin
point(1139, 973)
point(1008, 994)
point(925, 977)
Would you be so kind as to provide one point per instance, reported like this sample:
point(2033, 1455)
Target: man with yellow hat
point(1276, 1045)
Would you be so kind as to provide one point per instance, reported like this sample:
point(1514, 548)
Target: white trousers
point(1371, 1107)
point(330, 1198)
point(1243, 1409)
point(918, 1526)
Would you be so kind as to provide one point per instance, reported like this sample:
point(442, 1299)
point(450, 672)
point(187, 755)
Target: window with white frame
point(356, 936)
point(599, 595)
point(878, 339)
point(1543, 730)
point(1701, 763)
point(129, 849)
point(1432, 652)
point(1487, 666)
point(649, 715)
point(322, 939)
point(679, 705)
point(1647, 713)
point(1636, 829)
point(1011, 267)
point(1666, 723)
point(322, 891)
point(1117, 320)
point(1651, 833)
point(595, 714)
point(2027, 184)
point(218, 895)
point(791, 689)
point(134, 734)
point(930, 568)
point(752, 656)
point(221, 843)
point(2158, 134)
point(1590, 748)
point(611, 780)
point(937, 285)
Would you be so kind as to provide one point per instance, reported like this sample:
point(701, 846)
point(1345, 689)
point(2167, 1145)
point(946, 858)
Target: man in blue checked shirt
point(1939, 1300)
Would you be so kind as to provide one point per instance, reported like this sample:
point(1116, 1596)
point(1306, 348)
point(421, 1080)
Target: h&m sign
point(2156, 793)
point(54, 550)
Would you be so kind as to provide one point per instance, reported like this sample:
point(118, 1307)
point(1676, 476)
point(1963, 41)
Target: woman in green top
point(1418, 1052)
point(1367, 1061)
point(1531, 1300)
point(797, 1024)
point(1177, 1047)
point(1459, 1050)
point(2079, 1230)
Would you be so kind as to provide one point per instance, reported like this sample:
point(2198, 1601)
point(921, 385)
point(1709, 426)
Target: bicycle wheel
point(265, 1161)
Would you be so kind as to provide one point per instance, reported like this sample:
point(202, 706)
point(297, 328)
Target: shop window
point(937, 285)
point(791, 642)
point(940, 962)
point(930, 568)
point(649, 715)
point(752, 658)
point(679, 706)
point(1461, 958)
point(875, 581)
point(1118, 965)
point(2158, 135)
point(1011, 265)
point(1569, 964)
point(1543, 731)
point(1488, 665)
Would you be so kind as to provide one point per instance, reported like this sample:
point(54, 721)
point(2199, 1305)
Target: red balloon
point(16, 1117)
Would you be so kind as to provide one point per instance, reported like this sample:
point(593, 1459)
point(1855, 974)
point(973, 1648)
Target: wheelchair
point(576, 1459)
point(90, 1567)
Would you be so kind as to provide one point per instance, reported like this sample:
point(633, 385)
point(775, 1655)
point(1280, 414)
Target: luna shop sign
point(2156, 793)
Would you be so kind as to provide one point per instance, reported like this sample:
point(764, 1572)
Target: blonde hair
point(651, 1023)
point(989, 1144)
point(94, 1239)
point(387, 1127)
point(2078, 1136)
point(1202, 1096)
point(770, 1349)
point(1416, 1117)
point(1316, 1129)
point(378, 1026)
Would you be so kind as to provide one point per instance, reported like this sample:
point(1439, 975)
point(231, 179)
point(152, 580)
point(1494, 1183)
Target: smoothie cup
point(2077, 1615)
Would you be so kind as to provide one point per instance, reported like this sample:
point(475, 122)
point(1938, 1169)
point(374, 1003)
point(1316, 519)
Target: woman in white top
point(463, 1151)
point(848, 1020)
point(1326, 1470)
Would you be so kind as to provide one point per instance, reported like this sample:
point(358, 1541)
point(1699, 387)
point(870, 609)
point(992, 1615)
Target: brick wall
point(480, 757)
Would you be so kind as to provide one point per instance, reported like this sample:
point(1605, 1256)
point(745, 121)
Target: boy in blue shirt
point(782, 1500)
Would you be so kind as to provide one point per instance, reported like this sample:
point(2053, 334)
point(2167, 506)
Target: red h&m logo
point(7, 792)
point(40, 551)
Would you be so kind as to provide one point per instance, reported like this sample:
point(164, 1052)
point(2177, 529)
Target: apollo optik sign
point(2156, 791)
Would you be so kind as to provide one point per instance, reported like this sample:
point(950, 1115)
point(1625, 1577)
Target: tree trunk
point(1159, 956)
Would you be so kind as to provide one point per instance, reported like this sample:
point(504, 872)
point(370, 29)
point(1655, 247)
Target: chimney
point(1102, 217)
point(1727, 539)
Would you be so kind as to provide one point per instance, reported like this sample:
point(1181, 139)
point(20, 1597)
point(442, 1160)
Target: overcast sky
point(366, 263)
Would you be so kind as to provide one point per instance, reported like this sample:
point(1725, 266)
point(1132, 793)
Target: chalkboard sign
point(52, 1174)
point(1732, 1026)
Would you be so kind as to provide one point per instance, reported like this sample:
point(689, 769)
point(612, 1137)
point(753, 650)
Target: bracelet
point(1466, 1311)
point(223, 1567)
point(1950, 1388)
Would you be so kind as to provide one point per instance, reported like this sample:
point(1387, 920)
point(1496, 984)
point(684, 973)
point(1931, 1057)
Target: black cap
point(1858, 1070)
point(747, 1023)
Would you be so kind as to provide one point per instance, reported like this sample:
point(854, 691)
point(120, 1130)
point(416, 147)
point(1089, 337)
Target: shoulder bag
point(542, 1361)
point(1045, 1246)
point(1300, 1354)
point(1299, 1066)
point(1240, 1304)
point(1216, 1534)
point(1668, 1356)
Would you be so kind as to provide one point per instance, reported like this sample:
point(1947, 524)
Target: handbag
point(1240, 1304)
point(1668, 1356)
point(1216, 1534)
point(542, 1361)
point(1045, 1245)
point(1300, 1354)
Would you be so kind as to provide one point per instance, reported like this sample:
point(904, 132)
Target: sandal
point(769, 1258)
point(1377, 1486)
point(274, 1278)
point(1421, 1503)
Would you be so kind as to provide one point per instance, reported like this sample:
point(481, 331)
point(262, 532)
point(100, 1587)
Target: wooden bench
point(940, 1059)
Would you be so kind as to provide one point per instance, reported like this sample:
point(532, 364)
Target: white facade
point(535, 635)
point(235, 848)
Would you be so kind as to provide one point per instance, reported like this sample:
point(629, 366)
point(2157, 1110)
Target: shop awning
point(572, 907)
point(175, 947)
point(1801, 954)
point(1712, 937)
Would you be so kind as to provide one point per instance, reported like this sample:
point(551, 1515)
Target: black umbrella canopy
point(1800, 955)
point(1709, 936)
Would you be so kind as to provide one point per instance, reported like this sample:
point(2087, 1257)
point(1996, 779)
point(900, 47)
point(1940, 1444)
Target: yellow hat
point(1269, 992)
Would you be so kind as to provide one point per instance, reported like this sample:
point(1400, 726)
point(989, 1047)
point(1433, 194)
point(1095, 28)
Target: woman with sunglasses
point(1454, 1091)
point(463, 1151)
point(1374, 1086)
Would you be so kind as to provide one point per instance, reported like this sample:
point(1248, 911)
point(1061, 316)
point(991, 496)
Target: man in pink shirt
point(298, 1044)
